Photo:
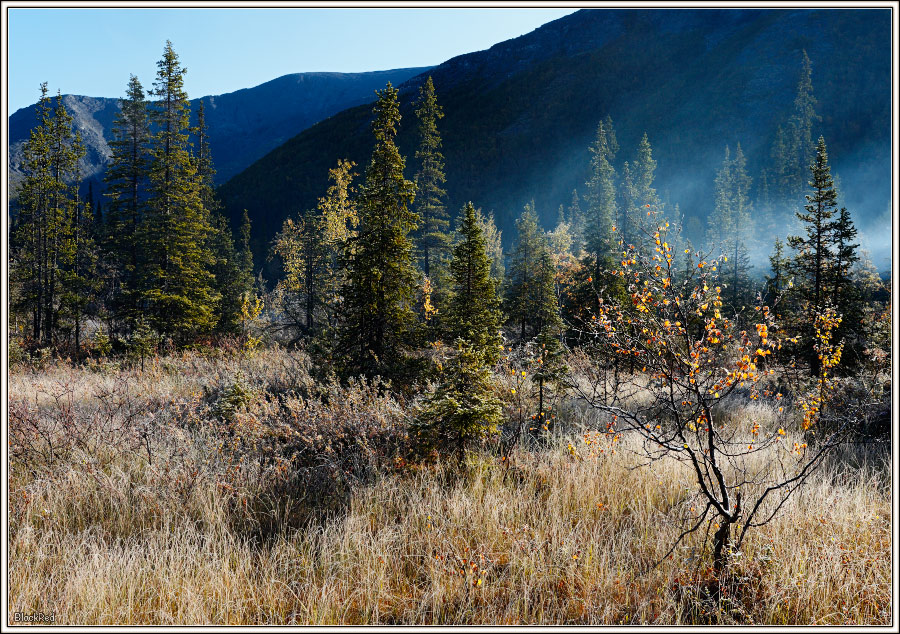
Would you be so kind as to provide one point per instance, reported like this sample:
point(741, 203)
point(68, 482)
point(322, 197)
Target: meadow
point(230, 488)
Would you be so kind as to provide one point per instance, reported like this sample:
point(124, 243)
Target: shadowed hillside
point(519, 116)
point(243, 125)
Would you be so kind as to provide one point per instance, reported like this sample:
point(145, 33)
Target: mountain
point(243, 125)
point(520, 115)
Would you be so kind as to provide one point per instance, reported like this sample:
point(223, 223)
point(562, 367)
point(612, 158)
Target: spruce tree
point(602, 212)
point(802, 150)
point(781, 166)
point(230, 282)
point(474, 311)
point(300, 245)
point(79, 280)
point(549, 328)
point(523, 274)
point(644, 169)
point(176, 280)
point(575, 218)
point(630, 215)
point(338, 209)
point(432, 235)
point(464, 408)
point(846, 296)
point(776, 282)
point(729, 226)
point(204, 168)
point(29, 240)
point(48, 218)
point(379, 293)
point(493, 244)
point(815, 251)
point(126, 183)
point(311, 248)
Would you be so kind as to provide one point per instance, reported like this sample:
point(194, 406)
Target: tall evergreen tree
point(644, 169)
point(233, 277)
point(230, 280)
point(845, 256)
point(846, 295)
point(301, 247)
point(575, 218)
point(602, 210)
point(380, 290)
point(815, 251)
point(338, 209)
point(630, 215)
point(79, 282)
point(47, 218)
point(203, 163)
point(474, 312)
point(781, 166)
point(549, 328)
point(523, 274)
point(126, 183)
point(177, 282)
point(802, 149)
point(776, 282)
point(493, 244)
point(729, 225)
point(432, 235)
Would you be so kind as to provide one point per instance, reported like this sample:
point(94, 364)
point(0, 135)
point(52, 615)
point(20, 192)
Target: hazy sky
point(92, 51)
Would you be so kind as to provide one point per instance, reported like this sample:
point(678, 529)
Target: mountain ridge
point(243, 124)
point(520, 115)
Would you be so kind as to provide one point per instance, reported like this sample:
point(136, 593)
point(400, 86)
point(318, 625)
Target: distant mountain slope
point(244, 125)
point(519, 116)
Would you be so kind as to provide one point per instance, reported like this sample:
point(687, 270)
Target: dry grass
point(105, 537)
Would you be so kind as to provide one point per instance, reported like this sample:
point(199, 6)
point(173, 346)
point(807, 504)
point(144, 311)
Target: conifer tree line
point(381, 279)
point(158, 258)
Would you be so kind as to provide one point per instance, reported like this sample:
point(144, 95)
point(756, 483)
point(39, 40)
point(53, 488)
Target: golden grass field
point(99, 534)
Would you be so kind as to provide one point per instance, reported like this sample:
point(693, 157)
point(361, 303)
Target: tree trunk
point(720, 543)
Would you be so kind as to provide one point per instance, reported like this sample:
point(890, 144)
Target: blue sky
point(92, 51)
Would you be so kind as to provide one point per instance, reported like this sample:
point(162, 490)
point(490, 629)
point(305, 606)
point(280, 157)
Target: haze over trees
point(400, 337)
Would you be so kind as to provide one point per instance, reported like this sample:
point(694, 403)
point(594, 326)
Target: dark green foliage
point(777, 281)
point(474, 310)
point(548, 346)
point(51, 239)
point(846, 295)
point(79, 283)
point(815, 252)
point(233, 281)
point(432, 235)
point(381, 280)
point(126, 183)
point(523, 281)
point(602, 213)
point(464, 408)
point(203, 164)
point(176, 281)
point(233, 268)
